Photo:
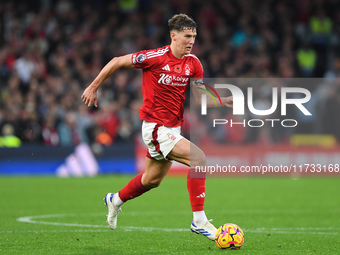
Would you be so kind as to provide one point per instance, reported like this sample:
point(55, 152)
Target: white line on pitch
point(264, 231)
point(33, 219)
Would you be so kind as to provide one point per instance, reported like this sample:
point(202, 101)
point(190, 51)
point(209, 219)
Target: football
point(229, 236)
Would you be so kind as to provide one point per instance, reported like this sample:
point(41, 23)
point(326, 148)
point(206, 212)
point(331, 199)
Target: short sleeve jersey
point(165, 80)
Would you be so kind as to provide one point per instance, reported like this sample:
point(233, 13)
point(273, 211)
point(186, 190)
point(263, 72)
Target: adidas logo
point(201, 195)
point(166, 68)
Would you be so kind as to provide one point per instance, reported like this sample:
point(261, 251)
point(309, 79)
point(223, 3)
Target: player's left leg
point(189, 154)
point(155, 171)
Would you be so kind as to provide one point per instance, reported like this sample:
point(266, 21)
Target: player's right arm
point(199, 89)
point(90, 94)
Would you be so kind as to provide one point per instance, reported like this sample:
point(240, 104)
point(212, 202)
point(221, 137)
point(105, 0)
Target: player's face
point(184, 40)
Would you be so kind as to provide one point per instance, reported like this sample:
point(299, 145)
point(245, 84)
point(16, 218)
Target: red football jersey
point(165, 80)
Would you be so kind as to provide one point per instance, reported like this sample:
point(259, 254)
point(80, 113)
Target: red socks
point(133, 189)
point(196, 188)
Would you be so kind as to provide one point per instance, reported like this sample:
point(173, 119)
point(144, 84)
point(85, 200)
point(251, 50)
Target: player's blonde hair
point(180, 22)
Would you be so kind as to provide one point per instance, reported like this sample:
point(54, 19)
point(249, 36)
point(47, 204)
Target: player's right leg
point(189, 154)
point(155, 171)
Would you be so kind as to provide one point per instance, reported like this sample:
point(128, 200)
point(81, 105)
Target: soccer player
point(166, 76)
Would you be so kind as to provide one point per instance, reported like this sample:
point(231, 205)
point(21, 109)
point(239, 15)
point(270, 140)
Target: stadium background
point(51, 50)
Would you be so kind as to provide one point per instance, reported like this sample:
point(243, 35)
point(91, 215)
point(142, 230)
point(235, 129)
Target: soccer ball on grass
point(229, 236)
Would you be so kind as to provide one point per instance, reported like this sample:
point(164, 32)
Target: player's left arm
point(198, 88)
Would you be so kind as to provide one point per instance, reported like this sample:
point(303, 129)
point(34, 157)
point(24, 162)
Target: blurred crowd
point(51, 50)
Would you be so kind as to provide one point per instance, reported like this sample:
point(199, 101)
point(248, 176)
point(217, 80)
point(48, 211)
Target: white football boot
point(206, 228)
point(112, 211)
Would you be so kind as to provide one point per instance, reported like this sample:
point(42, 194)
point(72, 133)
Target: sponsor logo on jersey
point(167, 79)
point(140, 58)
point(166, 68)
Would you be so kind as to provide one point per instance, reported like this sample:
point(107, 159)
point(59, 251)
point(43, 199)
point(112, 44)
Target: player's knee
point(202, 160)
point(198, 159)
point(153, 183)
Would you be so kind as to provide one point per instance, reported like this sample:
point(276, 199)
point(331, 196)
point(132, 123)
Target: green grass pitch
point(47, 215)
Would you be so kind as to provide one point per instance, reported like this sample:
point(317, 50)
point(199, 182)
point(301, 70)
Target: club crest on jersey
point(187, 69)
point(171, 136)
point(140, 58)
point(178, 68)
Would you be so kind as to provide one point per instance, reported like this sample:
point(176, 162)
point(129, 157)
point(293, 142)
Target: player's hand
point(227, 101)
point(90, 96)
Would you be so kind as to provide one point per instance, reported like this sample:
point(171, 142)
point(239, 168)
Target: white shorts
point(160, 139)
